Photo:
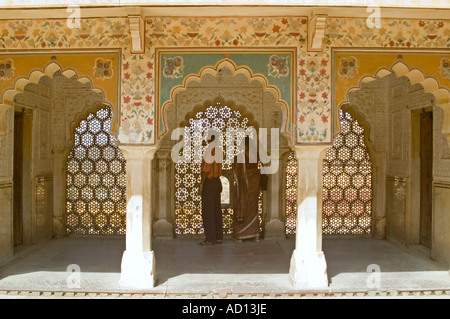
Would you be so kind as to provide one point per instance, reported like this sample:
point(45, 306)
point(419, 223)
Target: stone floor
point(184, 268)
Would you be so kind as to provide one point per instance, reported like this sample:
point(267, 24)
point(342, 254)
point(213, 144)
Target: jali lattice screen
point(347, 182)
point(291, 193)
point(96, 179)
point(222, 118)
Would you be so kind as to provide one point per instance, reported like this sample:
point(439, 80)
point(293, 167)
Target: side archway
point(389, 106)
point(55, 100)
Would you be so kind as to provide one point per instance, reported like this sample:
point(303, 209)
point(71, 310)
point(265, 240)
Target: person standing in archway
point(210, 189)
point(246, 197)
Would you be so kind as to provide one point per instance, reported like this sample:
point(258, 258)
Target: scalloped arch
point(49, 70)
point(215, 72)
point(416, 76)
point(206, 104)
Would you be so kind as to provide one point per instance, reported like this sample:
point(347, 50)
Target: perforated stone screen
point(188, 210)
point(291, 193)
point(347, 182)
point(96, 179)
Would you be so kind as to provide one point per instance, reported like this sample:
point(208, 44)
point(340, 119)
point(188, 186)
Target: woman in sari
point(245, 199)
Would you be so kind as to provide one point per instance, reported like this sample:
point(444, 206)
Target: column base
point(162, 229)
point(58, 227)
point(308, 271)
point(137, 270)
point(275, 229)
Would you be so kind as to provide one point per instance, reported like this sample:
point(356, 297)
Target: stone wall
point(53, 108)
point(388, 108)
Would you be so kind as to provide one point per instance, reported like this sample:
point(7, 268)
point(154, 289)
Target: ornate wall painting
point(367, 63)
point(276, 66)
point(106, 77)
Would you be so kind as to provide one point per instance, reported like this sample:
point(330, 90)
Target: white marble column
point(308, 269)
point(138, 261)
point(162, 228)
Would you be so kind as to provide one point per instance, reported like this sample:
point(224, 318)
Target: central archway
point(224, 117)
point(251, 96)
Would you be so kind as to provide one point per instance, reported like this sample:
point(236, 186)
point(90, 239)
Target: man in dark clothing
point(210, 189)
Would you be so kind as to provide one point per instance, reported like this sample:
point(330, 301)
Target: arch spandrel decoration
point(416, 77)
point(51, 71)
point(262, 102)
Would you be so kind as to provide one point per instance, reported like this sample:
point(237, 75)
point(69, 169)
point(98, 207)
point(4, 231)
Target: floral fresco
point(6, 69)
point(348, 67)
point(173, 67)
point(103, 69)
point(444, 68)
point(137, 104)
point(278, 66)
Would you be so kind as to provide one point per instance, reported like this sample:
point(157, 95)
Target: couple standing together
point(245, 196)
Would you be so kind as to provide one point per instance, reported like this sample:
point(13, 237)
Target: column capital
point(310, 151)
point(138, 152)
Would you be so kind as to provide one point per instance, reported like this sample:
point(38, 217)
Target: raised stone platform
point(232, 269)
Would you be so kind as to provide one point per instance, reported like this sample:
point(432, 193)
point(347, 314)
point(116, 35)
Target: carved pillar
point(59, 195)
point(138, 261)
point(162, 228)
point(275, 226)
point(379, 195)
point(308, 268)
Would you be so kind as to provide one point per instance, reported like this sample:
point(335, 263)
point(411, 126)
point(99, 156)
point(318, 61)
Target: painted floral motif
point(103, 69)
point(173, 67)
point(278, 66)
point(431, 28)
point(348, 67)
point(6, 69)
point(444, 68)
point(218, 32)
point(313, 107)
point(137, 106)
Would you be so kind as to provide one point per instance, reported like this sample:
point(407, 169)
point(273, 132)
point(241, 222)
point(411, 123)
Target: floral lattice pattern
point(347, 182)
point(291, 193)
point(222, 118)
point(96, 180)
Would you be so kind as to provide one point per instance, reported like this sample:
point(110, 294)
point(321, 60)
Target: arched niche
point(388, 106)
point(250, 94)
point(261, 101)
point(55, 100)
point(401, 71)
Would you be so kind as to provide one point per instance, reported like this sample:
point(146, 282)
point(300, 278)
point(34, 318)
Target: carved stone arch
point(262, 102)
point(248, 93)
point(202, 107)
point(81, 116)
point(60, 99)
point(49, 73)
point(357, 115)
point(378, 104)
point(416, 77)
